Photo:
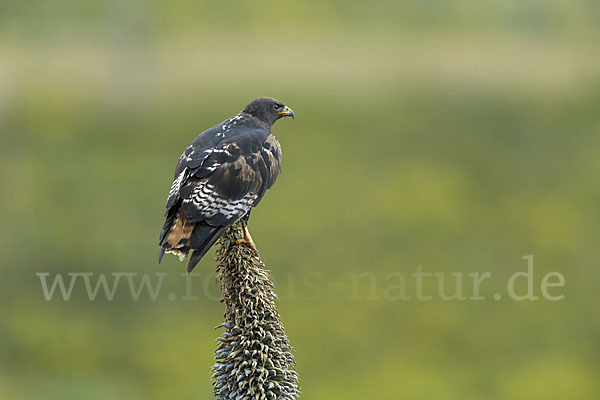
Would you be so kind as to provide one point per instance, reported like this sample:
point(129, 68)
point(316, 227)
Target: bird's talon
point(246, 241)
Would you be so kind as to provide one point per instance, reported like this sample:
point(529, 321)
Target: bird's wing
point(192, 159)
point(231, 179)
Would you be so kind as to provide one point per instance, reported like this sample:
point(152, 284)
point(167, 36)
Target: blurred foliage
point(456, 135)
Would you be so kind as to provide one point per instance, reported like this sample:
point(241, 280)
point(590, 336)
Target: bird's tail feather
point(206, 235)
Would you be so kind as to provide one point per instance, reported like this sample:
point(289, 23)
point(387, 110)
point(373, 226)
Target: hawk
point(219, 178)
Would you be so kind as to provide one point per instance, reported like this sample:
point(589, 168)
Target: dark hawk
point(219, 178)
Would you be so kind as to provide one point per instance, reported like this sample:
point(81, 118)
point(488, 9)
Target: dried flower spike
point(253, 358)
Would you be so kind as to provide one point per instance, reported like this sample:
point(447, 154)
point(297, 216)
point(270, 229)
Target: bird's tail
point(175, 236)
point(203, 237)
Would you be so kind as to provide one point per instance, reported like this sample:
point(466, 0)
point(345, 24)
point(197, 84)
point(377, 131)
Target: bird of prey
point(223, 174)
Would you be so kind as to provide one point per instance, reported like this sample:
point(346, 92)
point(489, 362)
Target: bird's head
point(268, 110)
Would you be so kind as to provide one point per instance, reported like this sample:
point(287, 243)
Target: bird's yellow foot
point(247, 239)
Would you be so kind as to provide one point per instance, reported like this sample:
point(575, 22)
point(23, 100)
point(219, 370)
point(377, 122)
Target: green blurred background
point(456, 135)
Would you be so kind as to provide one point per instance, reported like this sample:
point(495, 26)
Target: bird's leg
point(247, 239)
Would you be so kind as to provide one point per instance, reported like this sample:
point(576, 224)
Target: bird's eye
point(276, 106)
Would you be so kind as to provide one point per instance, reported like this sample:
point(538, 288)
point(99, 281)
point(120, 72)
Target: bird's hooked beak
point(287, 112)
